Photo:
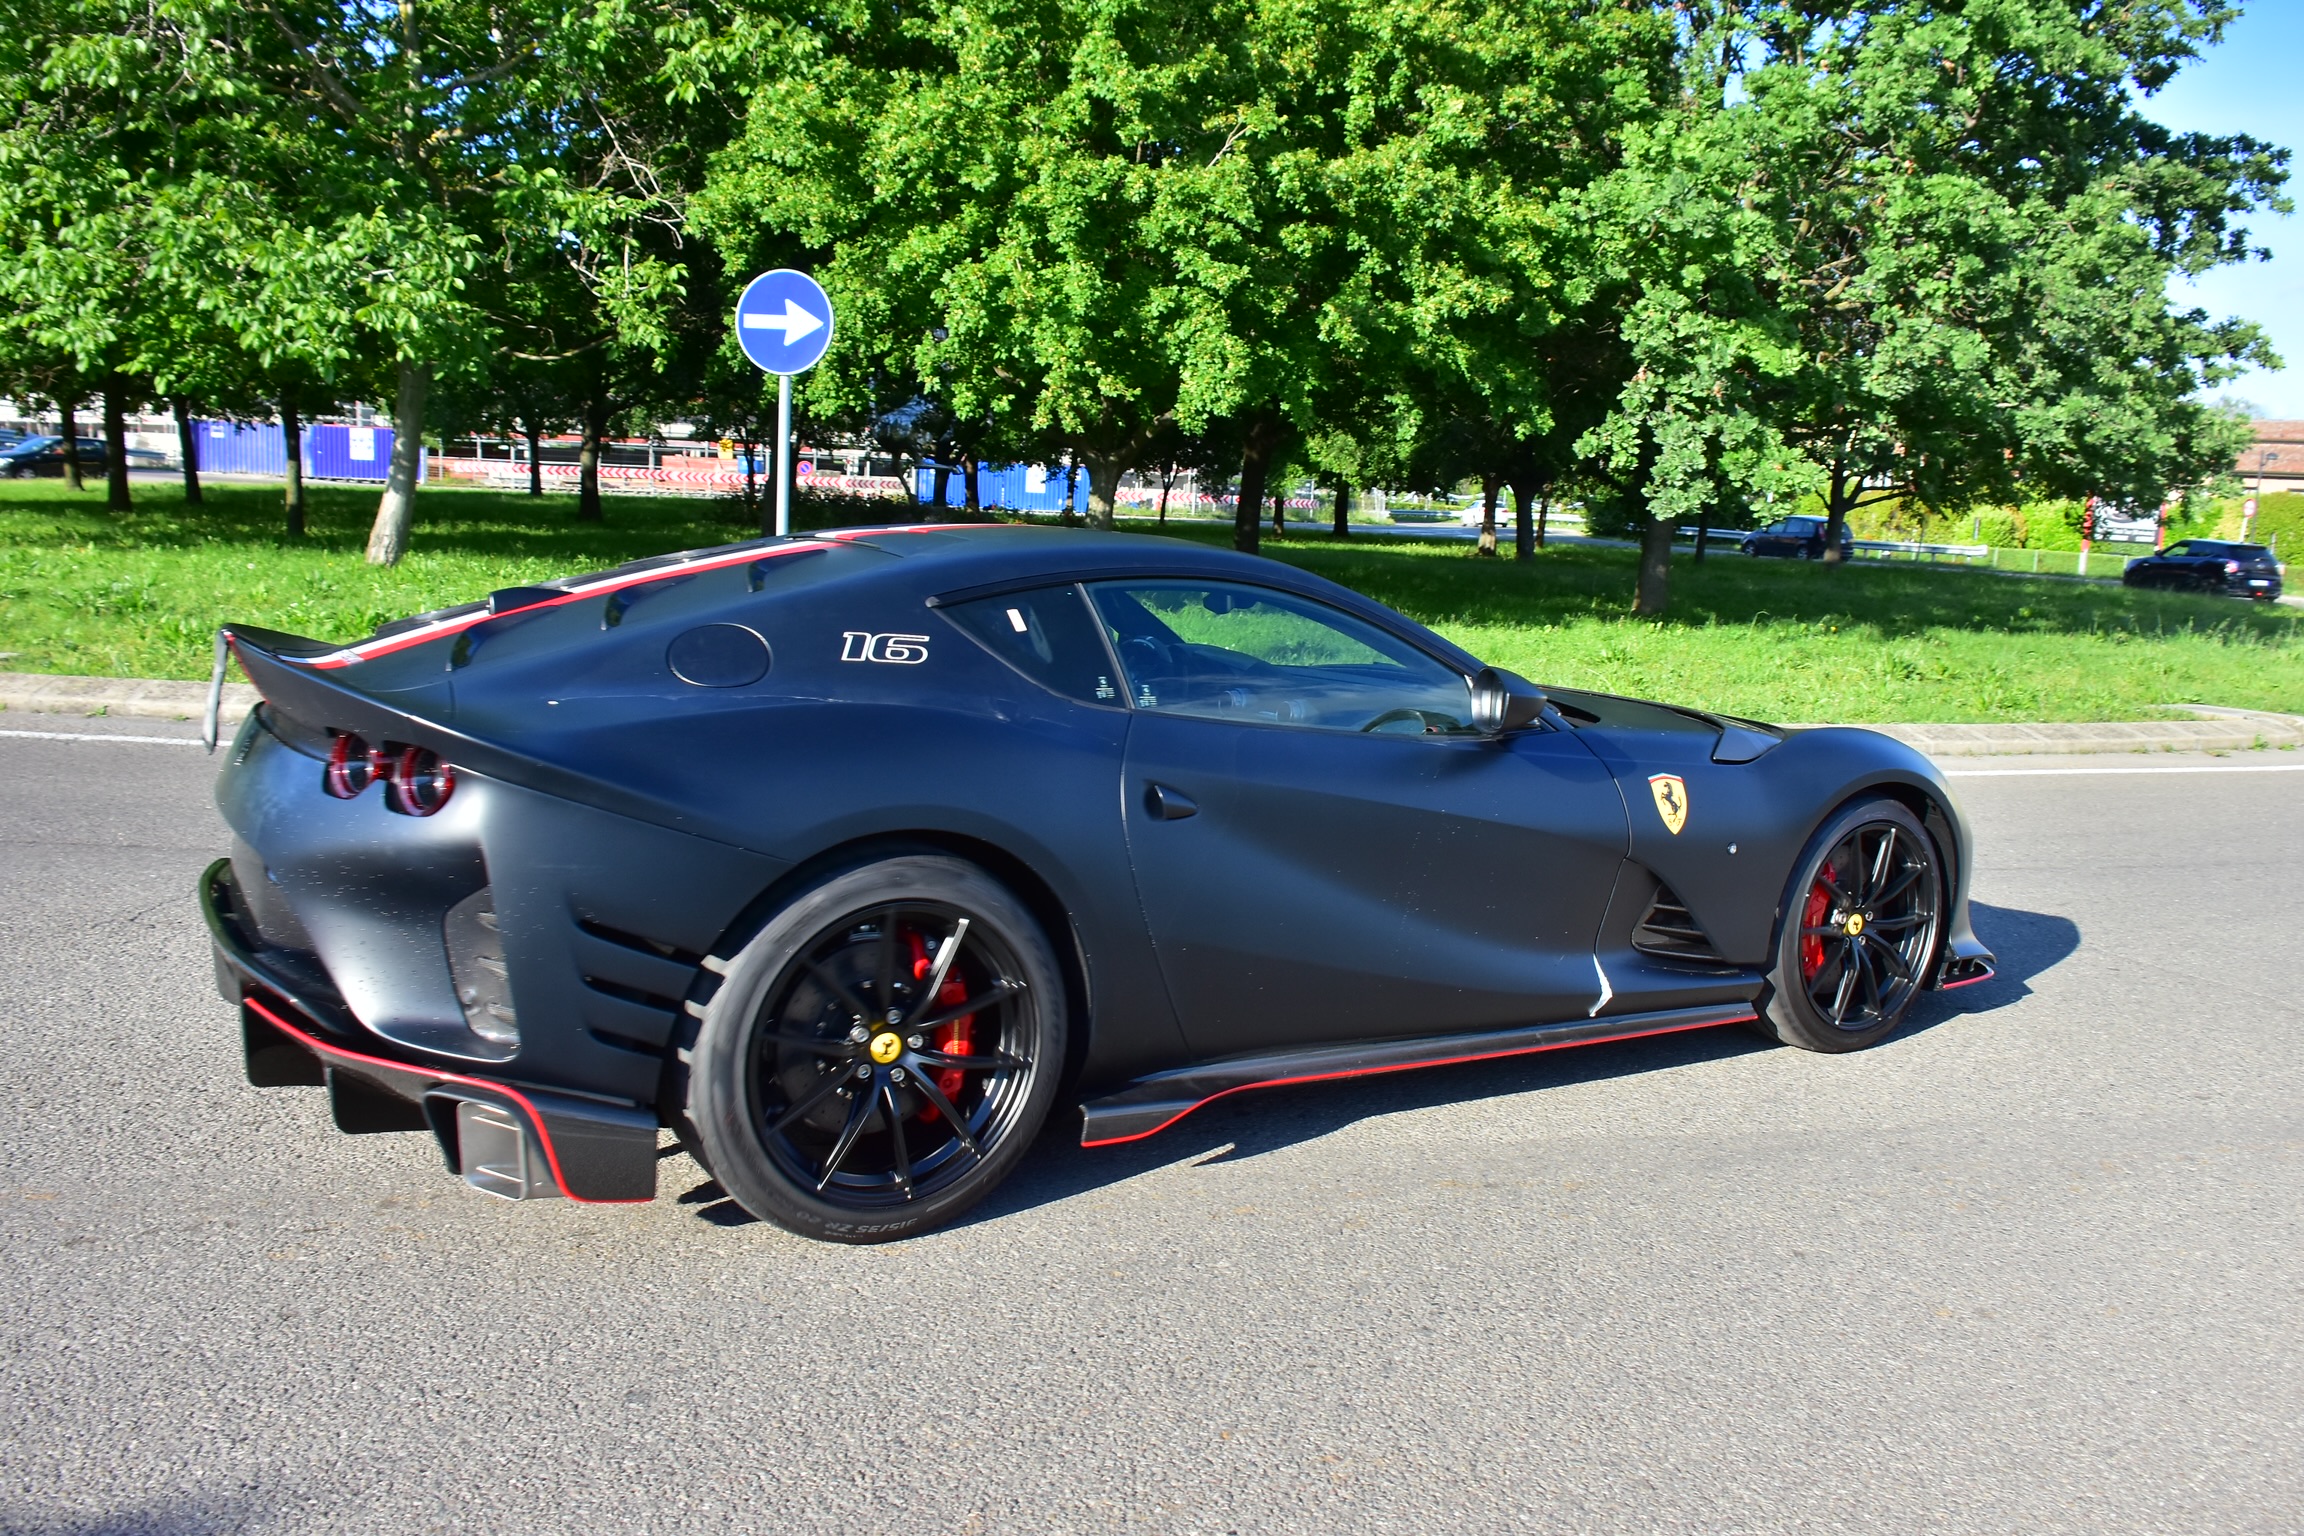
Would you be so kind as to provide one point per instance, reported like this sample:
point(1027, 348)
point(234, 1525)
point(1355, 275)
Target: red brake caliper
point(952, 1038)
point(1812, 914)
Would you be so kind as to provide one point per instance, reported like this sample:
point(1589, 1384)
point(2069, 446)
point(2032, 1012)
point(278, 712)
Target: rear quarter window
point(1049, 636)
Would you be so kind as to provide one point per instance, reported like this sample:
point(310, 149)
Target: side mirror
point(1504, 701)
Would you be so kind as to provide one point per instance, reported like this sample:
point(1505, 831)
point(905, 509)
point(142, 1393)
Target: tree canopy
point(1668, 254)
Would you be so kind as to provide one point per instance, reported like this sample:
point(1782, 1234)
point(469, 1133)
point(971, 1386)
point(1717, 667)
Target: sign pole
point(783, 455)
point(783, 324)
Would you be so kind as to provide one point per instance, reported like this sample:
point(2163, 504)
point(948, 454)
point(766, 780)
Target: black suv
point(2209, 565)
point(1796, 538)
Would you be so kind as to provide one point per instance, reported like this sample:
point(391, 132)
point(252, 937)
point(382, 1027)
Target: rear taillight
point(2232, 567)
point(416, 781)
point(421, 782)
point(353, 765)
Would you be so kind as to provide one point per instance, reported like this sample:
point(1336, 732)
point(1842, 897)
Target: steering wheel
point(1431, 724)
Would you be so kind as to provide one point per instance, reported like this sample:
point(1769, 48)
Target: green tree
point(1925, 254)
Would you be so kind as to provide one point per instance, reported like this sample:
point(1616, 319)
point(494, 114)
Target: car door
point(1325, 850)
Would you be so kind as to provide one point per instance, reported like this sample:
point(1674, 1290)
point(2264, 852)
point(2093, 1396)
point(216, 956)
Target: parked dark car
point(2209, 565)
point(1796, 538)
point(45, 456)
point(849, 858)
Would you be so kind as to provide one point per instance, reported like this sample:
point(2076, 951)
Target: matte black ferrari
point(846, 858)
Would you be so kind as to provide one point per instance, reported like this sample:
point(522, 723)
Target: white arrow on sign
point(795, 322)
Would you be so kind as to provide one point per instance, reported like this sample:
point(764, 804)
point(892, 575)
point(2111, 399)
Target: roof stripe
point(369, 650)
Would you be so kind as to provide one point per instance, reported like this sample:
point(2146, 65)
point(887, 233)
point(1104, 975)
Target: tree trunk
point(71, 430)
point(1255, 464)
point(1342, 528)
point(1071, 492)
point(588, 461)
point(1543, 514)
point(1280, 511)
point(116, 450)
point(1703, 530)
point(1655, 568)
point(292, 461)
point(1523, 521)
point(388, 539)
point(1103, 490)
point(535, 458)
point(1839, 499)
point(942, 480)
point(1167, 480)
point(1486, 549)
point(188, 445)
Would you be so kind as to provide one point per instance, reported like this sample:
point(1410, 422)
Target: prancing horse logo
point(1671, 800)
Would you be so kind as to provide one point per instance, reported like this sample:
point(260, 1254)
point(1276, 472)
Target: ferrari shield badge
point(1671, 800)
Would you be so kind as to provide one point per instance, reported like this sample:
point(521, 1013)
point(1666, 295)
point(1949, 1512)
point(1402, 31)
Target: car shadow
point(1259, 1121)
point(2025, 944)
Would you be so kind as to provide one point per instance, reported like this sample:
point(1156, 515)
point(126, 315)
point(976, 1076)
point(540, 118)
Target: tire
point(1837, 987)
point(1806, 553)
point(874, 1139)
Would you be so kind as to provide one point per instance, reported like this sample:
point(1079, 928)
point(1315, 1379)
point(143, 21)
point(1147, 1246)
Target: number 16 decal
point(903, 650)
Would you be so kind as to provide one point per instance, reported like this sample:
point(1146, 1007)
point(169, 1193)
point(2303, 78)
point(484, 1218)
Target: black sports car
point(1796, 538)
point(45, 456)
point(847, 857)
point(2209, 565)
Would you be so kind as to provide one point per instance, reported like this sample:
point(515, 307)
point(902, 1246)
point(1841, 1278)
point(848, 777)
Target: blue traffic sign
point(784, 321)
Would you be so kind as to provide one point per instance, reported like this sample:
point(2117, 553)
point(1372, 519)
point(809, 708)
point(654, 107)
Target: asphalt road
point(2033, 1266)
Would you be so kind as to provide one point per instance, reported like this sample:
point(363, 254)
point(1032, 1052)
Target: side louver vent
point(1667, 929)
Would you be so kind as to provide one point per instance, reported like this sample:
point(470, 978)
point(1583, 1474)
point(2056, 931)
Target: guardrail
point(1888, 546)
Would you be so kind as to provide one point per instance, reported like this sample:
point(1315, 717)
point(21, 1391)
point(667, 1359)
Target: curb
point(2213, 728)
point(150, 698)
point(2224, 730)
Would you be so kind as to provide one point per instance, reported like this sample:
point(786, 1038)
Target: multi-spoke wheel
point(881, 1054)
point(1860, 926)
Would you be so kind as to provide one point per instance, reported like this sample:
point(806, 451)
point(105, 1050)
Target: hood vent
point(1667, 929)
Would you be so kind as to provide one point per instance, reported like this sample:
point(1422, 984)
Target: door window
point(1229, 651)
point(1049, 636)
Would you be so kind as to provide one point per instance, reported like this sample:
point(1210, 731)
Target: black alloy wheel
point(881, 1054)
point(1859, 931)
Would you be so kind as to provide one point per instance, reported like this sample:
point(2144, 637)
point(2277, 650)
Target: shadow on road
point(195, 1515)
point(1250, 1124)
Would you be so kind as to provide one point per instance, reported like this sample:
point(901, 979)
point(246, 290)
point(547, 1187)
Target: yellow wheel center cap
point(1855, 926)
point(886, 1047)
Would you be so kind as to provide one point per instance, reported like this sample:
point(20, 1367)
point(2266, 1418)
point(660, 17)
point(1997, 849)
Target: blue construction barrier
point(1015, 487)
point(331, 452)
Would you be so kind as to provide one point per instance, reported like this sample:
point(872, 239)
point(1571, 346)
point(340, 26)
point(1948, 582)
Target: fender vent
point(1667, 929)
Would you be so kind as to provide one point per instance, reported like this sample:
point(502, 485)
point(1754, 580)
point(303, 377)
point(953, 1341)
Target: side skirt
point(1152, 1104)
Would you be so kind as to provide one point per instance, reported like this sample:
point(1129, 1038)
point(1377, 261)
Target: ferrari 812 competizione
point(847, 857)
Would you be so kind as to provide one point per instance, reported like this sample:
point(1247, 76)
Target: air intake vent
point(1668, 930)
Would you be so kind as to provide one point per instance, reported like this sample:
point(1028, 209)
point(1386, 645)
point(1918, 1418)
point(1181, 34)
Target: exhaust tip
point(500, 1156)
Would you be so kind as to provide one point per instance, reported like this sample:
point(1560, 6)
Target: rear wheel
point(881, 1055)
point(1860, 926)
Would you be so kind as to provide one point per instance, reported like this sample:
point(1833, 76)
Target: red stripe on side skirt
point(1416, 1066)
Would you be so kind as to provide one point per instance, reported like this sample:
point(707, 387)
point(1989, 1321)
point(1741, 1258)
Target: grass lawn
point(84, 591)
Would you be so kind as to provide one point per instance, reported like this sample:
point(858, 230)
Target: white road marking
point(150, 741)
point(2042, 773)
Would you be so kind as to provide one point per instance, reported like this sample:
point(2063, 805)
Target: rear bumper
point(292, 1035)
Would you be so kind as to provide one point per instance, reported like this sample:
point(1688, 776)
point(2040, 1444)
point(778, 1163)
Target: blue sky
point(2249, 84)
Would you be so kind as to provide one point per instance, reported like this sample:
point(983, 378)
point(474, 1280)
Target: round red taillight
point(421, 783)
point(353, 765)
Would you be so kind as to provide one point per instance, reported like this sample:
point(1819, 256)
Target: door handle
point(1167, 804)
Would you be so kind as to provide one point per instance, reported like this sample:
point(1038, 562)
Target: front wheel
point(881, 1055)
point(1858, 931)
